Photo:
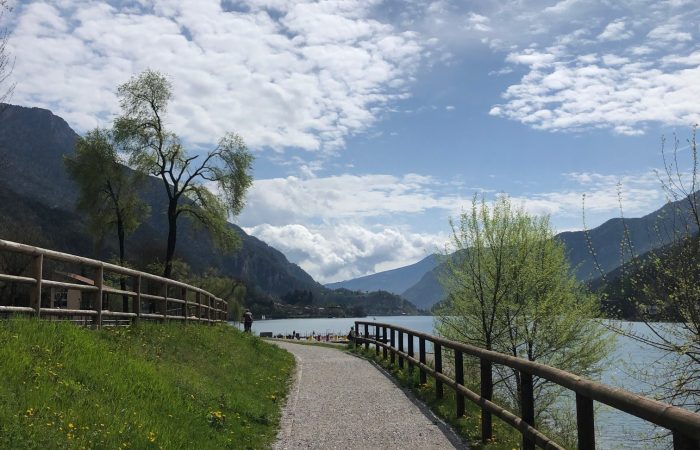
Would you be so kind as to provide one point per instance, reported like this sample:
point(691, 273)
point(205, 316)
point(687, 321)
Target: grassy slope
point(148, 386)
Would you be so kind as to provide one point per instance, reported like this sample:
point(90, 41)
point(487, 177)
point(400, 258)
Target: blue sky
point(373, 122)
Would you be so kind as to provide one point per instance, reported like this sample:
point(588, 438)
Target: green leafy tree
point(108, 190)
point(156, 151)
point(229, 289)
point(510, 289)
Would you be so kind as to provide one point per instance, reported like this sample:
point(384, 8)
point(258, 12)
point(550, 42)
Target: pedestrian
point(247, 321)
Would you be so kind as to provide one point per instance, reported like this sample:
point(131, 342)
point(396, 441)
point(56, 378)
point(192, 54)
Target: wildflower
point(151, 437)
point(216, 419)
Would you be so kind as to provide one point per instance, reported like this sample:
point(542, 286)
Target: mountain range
point(37, 206)
point(645, 233)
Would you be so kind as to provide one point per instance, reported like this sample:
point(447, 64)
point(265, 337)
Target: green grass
point(146, 386)
point(467, 426)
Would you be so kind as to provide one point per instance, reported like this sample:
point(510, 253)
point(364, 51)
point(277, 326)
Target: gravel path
point(340, 401)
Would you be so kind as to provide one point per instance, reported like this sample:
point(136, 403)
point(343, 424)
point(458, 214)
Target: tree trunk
point(172, 237)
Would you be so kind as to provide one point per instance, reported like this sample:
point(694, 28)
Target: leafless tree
point(7, 62)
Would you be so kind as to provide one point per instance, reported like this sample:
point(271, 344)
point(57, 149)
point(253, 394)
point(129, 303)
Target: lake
point(614, 429)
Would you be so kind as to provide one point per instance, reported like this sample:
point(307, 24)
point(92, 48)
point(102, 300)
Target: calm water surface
point(615, 430)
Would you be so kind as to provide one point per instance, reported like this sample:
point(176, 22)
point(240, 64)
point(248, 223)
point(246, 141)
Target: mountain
point(395, 281)
point(427, 291)
point(651, 231)
point(35, 185)
point(37, 206)
point(660, 284)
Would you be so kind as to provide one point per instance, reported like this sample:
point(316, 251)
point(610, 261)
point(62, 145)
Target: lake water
point(614, 429)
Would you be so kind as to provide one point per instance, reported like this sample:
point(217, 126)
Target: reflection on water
point(614, 429)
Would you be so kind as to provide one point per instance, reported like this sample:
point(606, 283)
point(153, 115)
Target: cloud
point(344, 226)
point(280, 201)
point(281, 73)
point(346, 251)
point(478, 22)
point(615, 31)
point(637, 194)
point(669, 32)
point(612, 82)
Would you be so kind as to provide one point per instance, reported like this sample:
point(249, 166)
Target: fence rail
point(683, 424)
point(165, 299)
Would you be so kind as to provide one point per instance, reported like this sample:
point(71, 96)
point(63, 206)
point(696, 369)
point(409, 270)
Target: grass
point(467, 426)
point(146, 386)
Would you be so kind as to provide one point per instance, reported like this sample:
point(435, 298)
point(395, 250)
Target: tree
point(156, 151)
point(108, 190)
point(510, 289)
point(229, 289)
point(660, 288)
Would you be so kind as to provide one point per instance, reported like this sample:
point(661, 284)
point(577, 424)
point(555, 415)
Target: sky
point(374, 122)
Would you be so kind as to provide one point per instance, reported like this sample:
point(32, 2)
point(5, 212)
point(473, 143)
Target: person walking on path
point(247, 321)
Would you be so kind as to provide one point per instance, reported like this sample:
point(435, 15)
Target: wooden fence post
point(165, 301)
point(366, 336)
point(410, 352)
point(209, 309)
point(459, 379)
point(400, 333)
point(185, 305)
point(39, 276)
point(377, 339)
point(421, 356)
point(357, 335)
point(683, 442)
point(393, 346)
point(487, 393)
point(136, 302)
point(384, 350)
point(527, 406)
point(198, 298)
point(99, 282)
point(585, 422)
point(437, 348)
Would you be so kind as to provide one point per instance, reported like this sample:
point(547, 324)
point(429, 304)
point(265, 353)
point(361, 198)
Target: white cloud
point(670, 31)
point(343, 227)
point(478, 22)
point(281, 201)
point(562, 6)
point(621, 95)
point(638, 193)
point(340, 227)
point(284, 74)
point(531, 57)
point(615, 31)
point(579, 84)
point(345, 251)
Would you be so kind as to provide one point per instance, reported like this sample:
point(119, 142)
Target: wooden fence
point(683, 424)
point(146, 296)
